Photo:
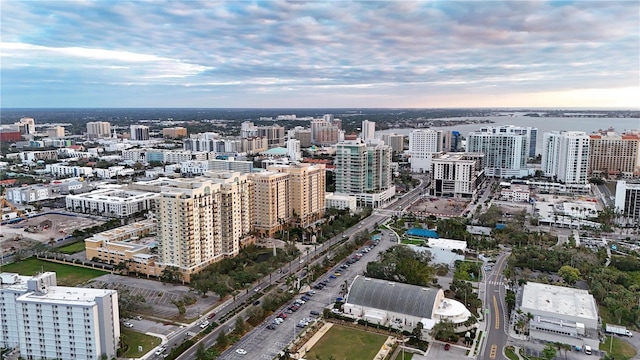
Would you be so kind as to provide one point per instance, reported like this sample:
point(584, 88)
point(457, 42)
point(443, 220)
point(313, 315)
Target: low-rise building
point(561, 314)
point(341, 201)
point(62, 170)
point(515, 193)
point(111, 201)
point(124, 245)
point(402, 306)
point(38, 192)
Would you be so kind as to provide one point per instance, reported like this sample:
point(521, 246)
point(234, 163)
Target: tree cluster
point(237, 273)
point(402, 264)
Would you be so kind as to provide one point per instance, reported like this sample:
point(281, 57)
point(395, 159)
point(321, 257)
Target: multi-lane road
point(262, 342)
point(495, 311)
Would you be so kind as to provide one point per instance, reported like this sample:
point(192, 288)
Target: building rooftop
point(559, 300)
point(53, 294)
point(116, 195)
point(393, 296)
point(66, 295)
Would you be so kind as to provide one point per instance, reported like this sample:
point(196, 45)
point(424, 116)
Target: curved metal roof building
point(393, 296)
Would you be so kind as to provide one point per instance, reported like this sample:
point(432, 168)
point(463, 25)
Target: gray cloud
point(327, 51)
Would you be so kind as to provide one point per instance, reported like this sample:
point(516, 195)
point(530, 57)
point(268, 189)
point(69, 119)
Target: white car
point(161, 350)
point(204, 324)
point(241, 351)
point(128, 325)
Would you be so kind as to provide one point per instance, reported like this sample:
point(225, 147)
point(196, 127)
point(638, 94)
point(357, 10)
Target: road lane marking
point(495, 307)
point(494, 350)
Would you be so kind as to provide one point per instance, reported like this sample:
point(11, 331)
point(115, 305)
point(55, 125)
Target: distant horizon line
point(319, 108)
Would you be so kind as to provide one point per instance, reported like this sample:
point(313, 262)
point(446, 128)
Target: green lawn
point(406, 356)
point(413, 242)
point(72, 248)
point(510, 353)
point(134, 339)
point(619, 347)
point(67, 275)
point(347, 344)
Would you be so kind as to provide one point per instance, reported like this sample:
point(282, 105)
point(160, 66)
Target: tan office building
point(55, 132)
point(98, 129)
point(174, 132)
point(615, 155)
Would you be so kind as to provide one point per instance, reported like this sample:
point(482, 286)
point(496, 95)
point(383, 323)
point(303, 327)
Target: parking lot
point(263, 343)
point(160, 296)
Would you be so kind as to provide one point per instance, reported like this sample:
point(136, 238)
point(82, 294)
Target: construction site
point(23, 232)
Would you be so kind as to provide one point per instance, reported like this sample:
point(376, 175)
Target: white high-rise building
point(423, 143)
point(96, 129)
point(139, 132)
point(364, 170)
point(47, 321)
point(294, 152)
point(565, 156)
point(628, 202)
point(368, 130)
point(506, 150)
point(27, 125)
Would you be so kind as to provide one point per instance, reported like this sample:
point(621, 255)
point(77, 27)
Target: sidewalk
point(151, 352)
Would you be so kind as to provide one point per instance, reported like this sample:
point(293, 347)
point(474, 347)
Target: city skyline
point(320, 55)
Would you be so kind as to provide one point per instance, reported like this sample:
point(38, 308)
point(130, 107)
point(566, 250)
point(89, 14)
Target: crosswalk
point(495, 283)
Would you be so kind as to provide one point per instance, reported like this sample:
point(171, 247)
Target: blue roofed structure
point(425, 233)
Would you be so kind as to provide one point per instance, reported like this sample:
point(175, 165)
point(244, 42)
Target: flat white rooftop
point(559, 300)
point(66, 296)
point(447, 244)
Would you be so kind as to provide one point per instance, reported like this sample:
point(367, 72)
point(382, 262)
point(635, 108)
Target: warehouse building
point(561, 314)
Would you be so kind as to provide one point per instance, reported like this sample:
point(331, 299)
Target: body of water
point(544, 124)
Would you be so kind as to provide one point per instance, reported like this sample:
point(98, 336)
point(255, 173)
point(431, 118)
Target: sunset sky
point(320, 54)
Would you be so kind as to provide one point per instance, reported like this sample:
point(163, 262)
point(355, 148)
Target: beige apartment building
point(174, 132)
point(199, 221)
point(615, 155)
point(306, 191)
point(271, 205)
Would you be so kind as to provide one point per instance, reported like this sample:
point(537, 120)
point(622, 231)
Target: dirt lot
point(61, 226)
point(439, 207)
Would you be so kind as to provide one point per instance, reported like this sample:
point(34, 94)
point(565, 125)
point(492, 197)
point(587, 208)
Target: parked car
point(314, 313)
point(128, 325)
